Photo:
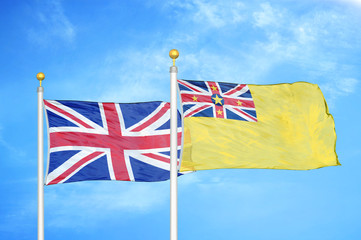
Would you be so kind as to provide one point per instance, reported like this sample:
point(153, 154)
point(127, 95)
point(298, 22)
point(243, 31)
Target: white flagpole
point(173, 148)
point(40, 76)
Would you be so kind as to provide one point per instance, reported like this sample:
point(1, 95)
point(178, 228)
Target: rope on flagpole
point(40, 76)
point(173, 148)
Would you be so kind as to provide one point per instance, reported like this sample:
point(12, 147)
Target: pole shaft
point(173, 155)
point(40, 165)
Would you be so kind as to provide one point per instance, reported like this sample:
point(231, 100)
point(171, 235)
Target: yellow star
point(217, 100)
point(195, 99)
point(219, 112)
point(239, 103)
point(214, 88)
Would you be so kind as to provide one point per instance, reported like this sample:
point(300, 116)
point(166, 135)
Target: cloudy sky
point(118, 51)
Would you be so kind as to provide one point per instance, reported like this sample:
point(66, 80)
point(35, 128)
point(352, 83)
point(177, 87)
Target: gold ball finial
point(173, 54)
point(40, 76)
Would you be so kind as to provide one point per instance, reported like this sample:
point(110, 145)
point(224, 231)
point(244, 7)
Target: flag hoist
point(40, 76)
point(173, 148)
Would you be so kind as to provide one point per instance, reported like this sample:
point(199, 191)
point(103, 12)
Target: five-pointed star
point(214, 88)
point(195, 99)
point(217, 100)
point(219, 112)
point(239, 103)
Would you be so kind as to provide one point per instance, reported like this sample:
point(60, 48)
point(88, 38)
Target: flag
point(108, 141)
point(282, 126)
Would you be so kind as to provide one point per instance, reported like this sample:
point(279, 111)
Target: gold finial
point(40, 76)
point(173, 54)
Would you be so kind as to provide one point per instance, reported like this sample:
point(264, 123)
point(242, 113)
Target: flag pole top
point(173, 54)
point(40, 76)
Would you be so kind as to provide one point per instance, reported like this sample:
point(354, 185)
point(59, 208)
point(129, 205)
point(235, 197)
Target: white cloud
point(208, 65)
point(136, 76)
point(122, 75)
point(283, 37)
point(52, 24)
point(338, 87)
point(348, 85)
point(268, 16)
point(307, 41)
point(215, 14)
point(352, 2)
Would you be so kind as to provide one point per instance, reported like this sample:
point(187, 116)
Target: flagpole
point(173, 148)
point(40, 76)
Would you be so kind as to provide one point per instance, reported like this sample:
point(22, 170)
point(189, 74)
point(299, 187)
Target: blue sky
point(118, 51)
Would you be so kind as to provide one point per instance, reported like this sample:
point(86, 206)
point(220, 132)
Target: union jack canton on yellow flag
point(282, 126)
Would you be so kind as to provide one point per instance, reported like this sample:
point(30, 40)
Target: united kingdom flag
point(108, 141)
point(218, 100)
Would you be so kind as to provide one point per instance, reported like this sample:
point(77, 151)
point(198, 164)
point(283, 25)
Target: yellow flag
point(293, 130)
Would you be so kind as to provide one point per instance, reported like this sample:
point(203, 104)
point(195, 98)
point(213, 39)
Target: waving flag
point(108, 141)
point(283, 126)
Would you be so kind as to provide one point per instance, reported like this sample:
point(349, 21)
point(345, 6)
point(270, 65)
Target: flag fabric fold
point(108, 141)
point(282, 126)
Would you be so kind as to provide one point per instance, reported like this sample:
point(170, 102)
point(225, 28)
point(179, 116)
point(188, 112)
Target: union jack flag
point(108, 141)
point(218, 100)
